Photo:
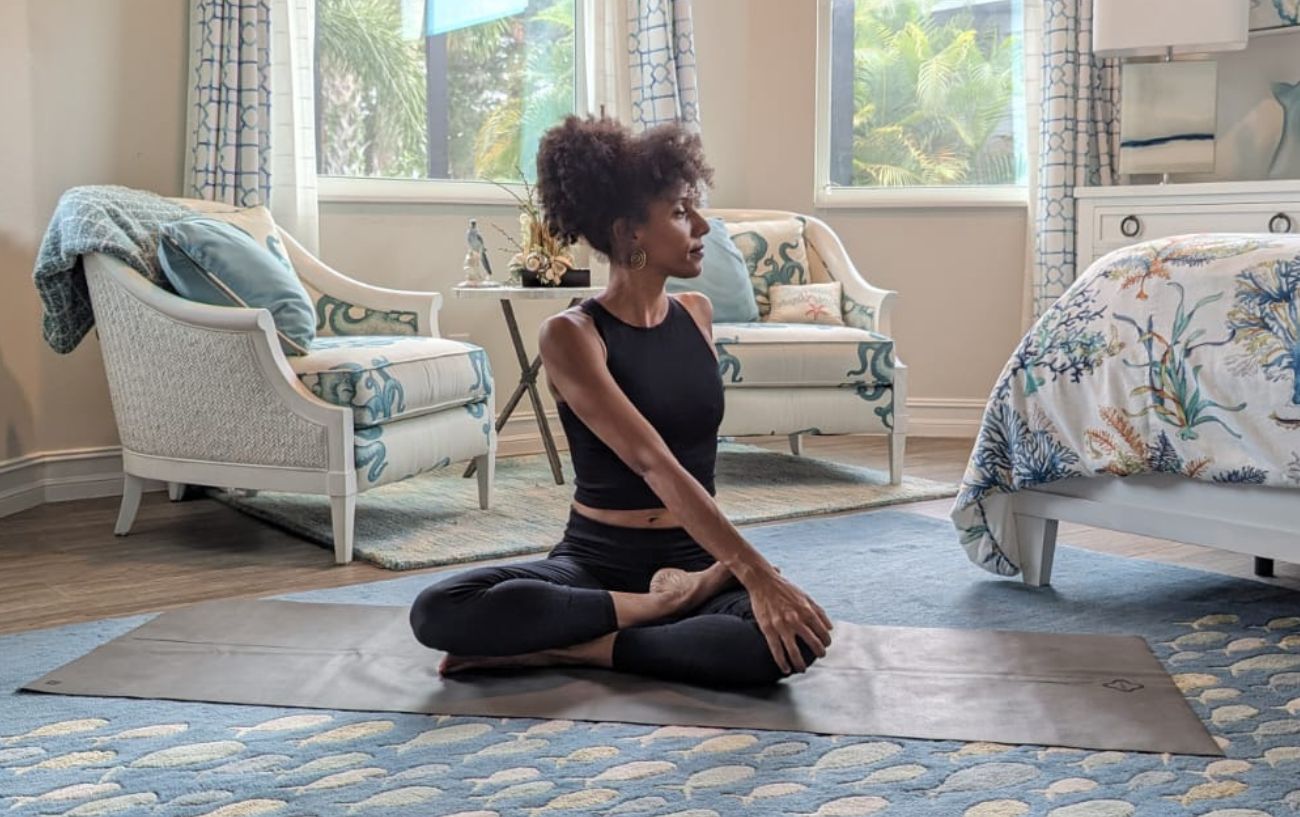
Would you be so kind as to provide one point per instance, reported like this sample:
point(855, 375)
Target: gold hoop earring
point(638, 259)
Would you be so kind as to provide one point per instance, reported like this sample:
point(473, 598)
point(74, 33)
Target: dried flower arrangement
point(540, 258)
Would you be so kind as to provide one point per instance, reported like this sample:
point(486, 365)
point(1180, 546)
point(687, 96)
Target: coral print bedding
point(1179, 355)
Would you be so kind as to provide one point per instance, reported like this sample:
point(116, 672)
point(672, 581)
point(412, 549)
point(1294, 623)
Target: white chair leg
point(343, 511)
point(1037, 538)
point(132, 489)
point(175, 491)
point(897, 443)
point(796, 444)
point(485, 466)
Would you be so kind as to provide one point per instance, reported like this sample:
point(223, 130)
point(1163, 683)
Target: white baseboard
point(59, 476)
point(520, 434)
point(85, 473)
point(944, 417)
point(926, 417)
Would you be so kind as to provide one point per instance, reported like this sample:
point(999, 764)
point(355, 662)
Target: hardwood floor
point(62, 563)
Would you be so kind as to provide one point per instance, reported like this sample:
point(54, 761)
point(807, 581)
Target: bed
point(1160, 395)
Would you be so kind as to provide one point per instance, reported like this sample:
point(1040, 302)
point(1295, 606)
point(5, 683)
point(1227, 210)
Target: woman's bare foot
point(682, 591)
point(596, 653)
point(453, 664)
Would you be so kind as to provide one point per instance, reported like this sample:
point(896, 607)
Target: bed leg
point(1037, 538)
point(1263, 567)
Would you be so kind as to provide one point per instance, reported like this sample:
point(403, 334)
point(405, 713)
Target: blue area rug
point(1233, 645)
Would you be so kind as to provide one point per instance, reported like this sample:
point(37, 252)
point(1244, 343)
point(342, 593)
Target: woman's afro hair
point(592, 172)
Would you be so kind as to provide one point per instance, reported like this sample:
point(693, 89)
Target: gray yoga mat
point(1085, 691)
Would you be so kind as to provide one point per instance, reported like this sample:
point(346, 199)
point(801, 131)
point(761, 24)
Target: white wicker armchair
point(204, 395)
point(802, 379)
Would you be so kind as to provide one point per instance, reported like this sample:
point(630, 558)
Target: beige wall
point(958, 272)
point(93, 93)
point(756, 77)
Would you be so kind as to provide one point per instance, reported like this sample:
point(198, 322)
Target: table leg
point(529, 371)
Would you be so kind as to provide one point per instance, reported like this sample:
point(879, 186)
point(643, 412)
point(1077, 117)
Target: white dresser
point(1113, 217)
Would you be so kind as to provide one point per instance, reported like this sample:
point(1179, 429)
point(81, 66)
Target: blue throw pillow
point(217, 263)
point(723, 278)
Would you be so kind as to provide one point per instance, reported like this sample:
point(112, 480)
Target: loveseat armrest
point(202, 383)
point(350, 307)
point(866, 306)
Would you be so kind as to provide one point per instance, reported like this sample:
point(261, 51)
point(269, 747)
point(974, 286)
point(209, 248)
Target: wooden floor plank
point(62, 563)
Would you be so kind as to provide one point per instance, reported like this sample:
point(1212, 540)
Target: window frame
point(828, 196)
point(381, 190)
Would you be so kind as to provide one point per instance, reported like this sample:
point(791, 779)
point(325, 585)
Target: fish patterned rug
point(1232, 645)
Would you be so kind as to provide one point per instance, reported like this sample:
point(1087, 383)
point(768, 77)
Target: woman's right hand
point(785, 614)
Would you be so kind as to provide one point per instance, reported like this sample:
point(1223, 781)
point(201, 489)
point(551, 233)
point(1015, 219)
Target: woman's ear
point(624, 237)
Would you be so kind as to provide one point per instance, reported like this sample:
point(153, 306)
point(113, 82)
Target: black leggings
point(564, 600)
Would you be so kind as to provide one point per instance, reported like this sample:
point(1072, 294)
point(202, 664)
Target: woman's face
point(671, 235)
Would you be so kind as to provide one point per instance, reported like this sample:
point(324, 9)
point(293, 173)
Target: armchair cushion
point(385, 378)
point(217, 263)
point(774, 252)
point(724, 278)
point(810, 303)
point(767, 355)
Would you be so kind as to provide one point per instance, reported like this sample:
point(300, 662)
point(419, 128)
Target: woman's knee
point(760, 667)
point(435, 618)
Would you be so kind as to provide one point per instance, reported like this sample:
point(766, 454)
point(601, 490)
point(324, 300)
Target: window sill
point(354, 190)
point(865, 198)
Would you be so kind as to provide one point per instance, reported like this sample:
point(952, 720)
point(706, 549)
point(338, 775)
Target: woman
point(650, 577)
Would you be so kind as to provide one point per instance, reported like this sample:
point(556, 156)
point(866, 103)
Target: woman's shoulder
point(573, 325)
point(578, 315)
point(695, 302)
point(699, 307)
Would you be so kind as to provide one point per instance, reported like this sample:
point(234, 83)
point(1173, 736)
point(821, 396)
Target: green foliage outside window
point(507, 82)
point(370, 98)
point(932, 96)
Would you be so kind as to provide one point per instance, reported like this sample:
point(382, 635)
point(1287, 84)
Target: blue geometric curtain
point(229, 122)
point(661, 59)
point(1078, 140)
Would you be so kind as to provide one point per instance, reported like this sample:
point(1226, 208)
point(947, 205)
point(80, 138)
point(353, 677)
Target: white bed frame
point(1260, 521)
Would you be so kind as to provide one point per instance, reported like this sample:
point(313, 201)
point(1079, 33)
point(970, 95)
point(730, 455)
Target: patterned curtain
point(1078, 140)
point(229, 155)
point(661, 59)
point(252, 121)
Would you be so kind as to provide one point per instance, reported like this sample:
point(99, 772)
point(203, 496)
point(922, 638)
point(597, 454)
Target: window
point(440, 89)
point(921, 100)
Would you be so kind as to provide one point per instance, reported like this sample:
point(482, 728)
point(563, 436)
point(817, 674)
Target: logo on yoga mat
point(1123, 685)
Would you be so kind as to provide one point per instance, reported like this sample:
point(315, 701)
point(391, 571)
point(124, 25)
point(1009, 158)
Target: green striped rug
point(434, 519)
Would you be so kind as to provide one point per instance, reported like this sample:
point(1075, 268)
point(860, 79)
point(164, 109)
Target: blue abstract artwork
point(1167, 117)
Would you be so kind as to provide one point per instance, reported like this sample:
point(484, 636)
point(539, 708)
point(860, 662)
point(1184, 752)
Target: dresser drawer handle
point(1132, 225)
point(1280, 223)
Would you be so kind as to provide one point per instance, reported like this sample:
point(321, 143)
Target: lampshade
point(1140, 28)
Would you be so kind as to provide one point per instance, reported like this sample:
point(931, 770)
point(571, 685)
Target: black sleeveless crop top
point(670, 374)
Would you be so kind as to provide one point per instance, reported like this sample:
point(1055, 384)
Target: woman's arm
point(574, 360)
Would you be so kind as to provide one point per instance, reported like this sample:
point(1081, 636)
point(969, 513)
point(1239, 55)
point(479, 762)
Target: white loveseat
point(795, 379)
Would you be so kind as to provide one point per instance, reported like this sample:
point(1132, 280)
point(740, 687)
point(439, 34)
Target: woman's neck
point(635, 296)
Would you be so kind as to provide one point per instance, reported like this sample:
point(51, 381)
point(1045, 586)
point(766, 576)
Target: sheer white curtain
point(294, 201)
point(608, 81)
